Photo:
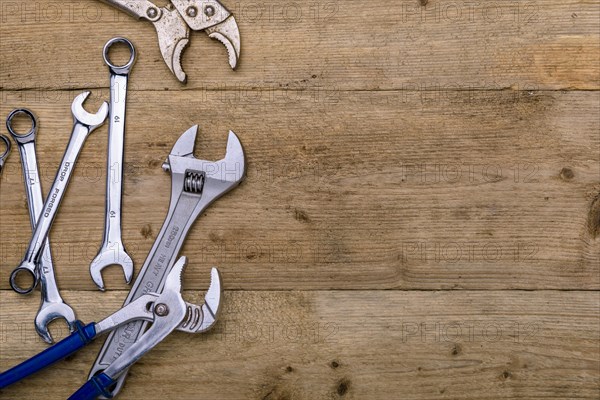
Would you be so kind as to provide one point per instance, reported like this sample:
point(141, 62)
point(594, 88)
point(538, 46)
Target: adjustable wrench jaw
point(209, 179)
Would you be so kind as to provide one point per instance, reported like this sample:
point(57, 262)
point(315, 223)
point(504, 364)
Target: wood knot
point(301, 216)
point(343, 387)
point(506, 375)
point(456, 350)
point(146, 231)
point(593, 222)
point(566, 174)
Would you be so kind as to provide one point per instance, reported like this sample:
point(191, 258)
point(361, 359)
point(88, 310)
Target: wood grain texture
point(324, 43)
point(346, 345)
point(372, 191)
point(410, 170)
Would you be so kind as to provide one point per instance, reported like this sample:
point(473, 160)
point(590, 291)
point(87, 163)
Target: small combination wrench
point(83, 124)
point(112, 251)
point(195, 184)
point(5, 153)
point(52, 305)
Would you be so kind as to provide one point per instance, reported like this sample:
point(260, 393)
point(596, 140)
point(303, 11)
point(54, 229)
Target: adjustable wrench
point(5, 153)
point(83, 124)
point(195, 184)
point(112, 250)
point(52, 305)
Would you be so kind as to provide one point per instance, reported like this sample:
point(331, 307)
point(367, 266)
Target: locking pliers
point(173, 23)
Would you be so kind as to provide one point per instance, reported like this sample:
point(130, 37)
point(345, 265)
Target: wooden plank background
point(420, 219)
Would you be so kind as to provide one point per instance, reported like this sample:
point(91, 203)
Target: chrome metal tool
point(195, 184)
point(5, 153)
point(112, 251)
point(174, 21)
point(52, 306)
point(84, 123)
point(165, 309)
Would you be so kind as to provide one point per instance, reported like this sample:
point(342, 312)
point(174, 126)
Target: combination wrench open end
point(112, 251)
point(84, 123)
point(52, 306)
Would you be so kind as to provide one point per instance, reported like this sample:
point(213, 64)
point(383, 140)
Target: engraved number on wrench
point(52, 305)
point(112, 251)
point(84, 124)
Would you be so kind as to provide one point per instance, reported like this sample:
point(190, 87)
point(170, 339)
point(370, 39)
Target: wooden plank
point(481, 190)
point(319, 44)
point(350, 345)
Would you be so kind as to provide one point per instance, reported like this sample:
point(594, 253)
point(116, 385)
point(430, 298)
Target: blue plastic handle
point(69, 345)
point(94, 388)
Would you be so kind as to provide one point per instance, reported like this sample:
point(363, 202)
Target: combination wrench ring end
point(28, 136)
point(6, 151)
point(119, 69)
point(31, 270)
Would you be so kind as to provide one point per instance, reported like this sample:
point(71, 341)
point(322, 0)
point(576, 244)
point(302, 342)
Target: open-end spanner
point(5, 153)
point(83, 124)
point(52, 305)
point(195, 184)
point(112, 251)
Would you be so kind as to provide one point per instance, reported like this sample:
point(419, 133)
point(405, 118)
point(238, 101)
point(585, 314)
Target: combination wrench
point(195, 184)
point(5, 153)
point(84, 123)
point(52, 305)
point(112, 251)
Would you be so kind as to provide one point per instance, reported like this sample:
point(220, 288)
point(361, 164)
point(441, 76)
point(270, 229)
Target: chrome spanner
point(112, 251)
point(83, 124)
point(195, 184)
point(5, 153)
point(52, 305)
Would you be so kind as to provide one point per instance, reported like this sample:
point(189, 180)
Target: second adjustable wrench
point(52, 305)
point(83, 124)
point(195, 184)
point(112, 250)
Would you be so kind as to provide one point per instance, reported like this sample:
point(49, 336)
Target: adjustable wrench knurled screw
point(52, 305)
point(112, 251)
point(84, 123)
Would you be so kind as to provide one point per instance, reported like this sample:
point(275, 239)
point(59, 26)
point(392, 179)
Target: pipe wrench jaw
point(200, 319)
point(166, 310)
point(209, 179)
